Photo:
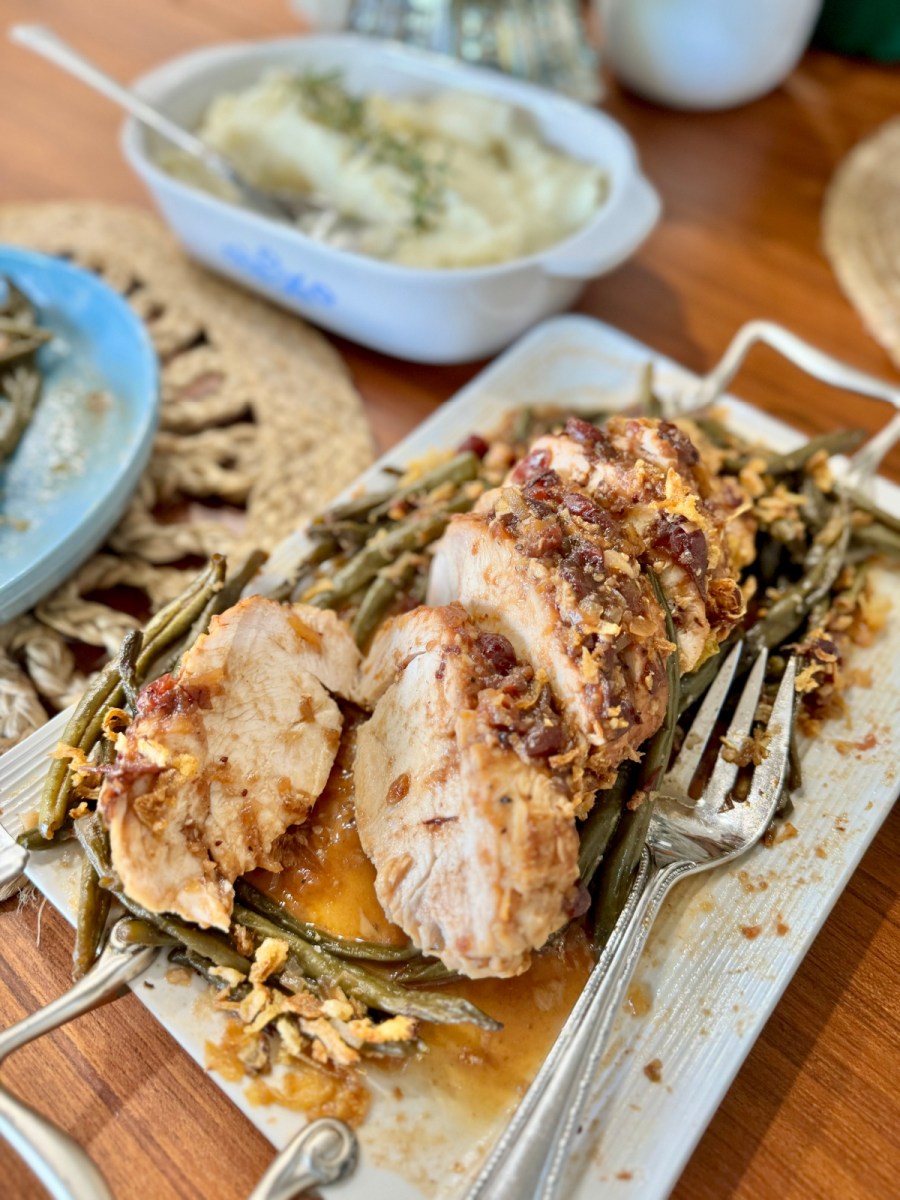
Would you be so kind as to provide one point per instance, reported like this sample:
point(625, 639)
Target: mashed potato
point(444, 180)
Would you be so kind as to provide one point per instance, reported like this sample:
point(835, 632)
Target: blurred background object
point(544, 41)
point(705, 54)
point(870, 28)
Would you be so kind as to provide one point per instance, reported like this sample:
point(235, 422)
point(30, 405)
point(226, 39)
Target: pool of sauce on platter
point(332, 884)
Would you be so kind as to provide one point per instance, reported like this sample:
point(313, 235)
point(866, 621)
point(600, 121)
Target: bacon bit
point(780, 927)
point(653, 1070)
point(751, 931)
point(475, 444)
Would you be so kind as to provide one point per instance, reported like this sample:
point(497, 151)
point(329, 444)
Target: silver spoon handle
point(45, 42)
point(322, 1153)
point(63, 1167)
point(520, 1154)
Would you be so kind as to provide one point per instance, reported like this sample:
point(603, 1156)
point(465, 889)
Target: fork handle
point(532, 1163)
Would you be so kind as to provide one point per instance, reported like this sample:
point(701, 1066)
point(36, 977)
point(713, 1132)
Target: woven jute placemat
point(861, 225)
point(260, 427)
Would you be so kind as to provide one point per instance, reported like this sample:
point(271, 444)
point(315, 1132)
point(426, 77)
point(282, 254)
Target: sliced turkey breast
point(458, 803)
point(222, 756)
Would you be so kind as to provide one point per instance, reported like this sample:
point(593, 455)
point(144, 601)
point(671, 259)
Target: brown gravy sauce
point(332, 884)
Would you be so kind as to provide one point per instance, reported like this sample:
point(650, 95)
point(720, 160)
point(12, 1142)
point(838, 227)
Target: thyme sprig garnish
point(324, 99)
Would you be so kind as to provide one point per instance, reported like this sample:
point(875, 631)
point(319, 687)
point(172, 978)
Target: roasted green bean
point(342, 947)
point(823, 564)
point(413, 534)
point(460, 469)
point(93, 911)
point(424, 970)
point(374, 990)
point(126, 663)
point(842, 441)
point(380, 595)
point(600, 824)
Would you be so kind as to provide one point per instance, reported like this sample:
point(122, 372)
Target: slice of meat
point(219, 760)
point(471, 832)
point(327, 650)
point(653, 497)
point(589, 620)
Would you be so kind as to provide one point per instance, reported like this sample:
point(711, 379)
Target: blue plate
point(82, 455)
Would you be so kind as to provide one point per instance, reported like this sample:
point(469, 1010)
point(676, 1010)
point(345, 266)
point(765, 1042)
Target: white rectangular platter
point(711, 989)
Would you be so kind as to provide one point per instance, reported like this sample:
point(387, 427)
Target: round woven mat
point(260, 426)
point(861, 221)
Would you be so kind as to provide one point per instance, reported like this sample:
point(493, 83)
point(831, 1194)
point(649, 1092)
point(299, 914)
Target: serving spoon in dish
point(319, 219)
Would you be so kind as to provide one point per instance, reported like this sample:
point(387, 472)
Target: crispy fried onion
point(285, 1018)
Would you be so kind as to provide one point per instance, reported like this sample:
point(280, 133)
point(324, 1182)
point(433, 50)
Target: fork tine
point(769, 776)
point(679, 777)
point(725, 773)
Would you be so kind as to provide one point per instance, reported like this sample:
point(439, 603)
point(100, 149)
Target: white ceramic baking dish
point(424, 315)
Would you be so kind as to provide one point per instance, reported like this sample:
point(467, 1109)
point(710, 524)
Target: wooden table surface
point(814, 1112)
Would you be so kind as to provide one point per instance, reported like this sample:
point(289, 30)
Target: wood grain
point(814, 1112)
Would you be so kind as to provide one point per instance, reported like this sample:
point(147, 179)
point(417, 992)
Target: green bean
point(631, 833)
point(94, 841)
point(413, 534)
point(373, 990)
point(126, 662)
point(648, 403)
point(618, 872)
point(842, 441)
point(381, 594)
point(361, 506)
point(425, 970)
point(823, 564)
point(460, 469)
point(881, 515)
point(523, 426)
point(655, 762)
point(877, 539)
point(93, 911)
point(717, 432)
point(33, 839)
point(600, 824)
point(342, 947)
point(134, 932)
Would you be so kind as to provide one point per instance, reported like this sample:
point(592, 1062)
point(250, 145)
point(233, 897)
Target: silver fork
point(685, 838)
